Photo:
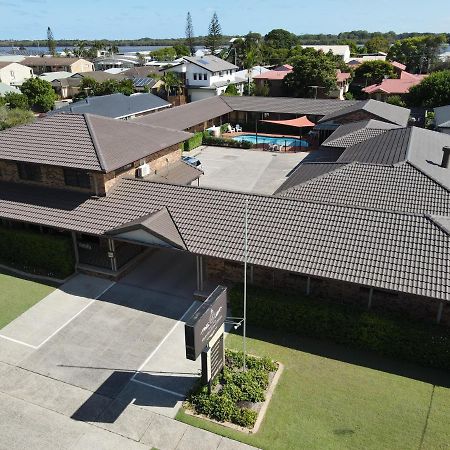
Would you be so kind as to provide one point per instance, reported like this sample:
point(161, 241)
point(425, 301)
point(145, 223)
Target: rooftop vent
point(445, 157)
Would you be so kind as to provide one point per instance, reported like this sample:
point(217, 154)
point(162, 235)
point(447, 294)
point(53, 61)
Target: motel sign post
point(204, 332)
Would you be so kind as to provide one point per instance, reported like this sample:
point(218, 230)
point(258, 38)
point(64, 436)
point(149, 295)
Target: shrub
point(194, 142)
point(244, 417)
point(37, 253)
point(221, 142)
point(390, 335)
point(224, 127)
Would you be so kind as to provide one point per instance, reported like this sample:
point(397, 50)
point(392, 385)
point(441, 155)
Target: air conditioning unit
point(143, 171)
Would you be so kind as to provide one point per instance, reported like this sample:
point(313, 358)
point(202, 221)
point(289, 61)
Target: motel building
point(119, 190)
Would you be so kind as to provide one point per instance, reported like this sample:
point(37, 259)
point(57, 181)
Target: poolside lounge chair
point(238, 128)
point(231, 129)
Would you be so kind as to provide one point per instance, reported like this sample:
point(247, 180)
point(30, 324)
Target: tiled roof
point(178, 172)
point(93, 143)
point(49, 61)
point(401, 187)
point(381, 110)
point(289, 105)
point(116, 105)
point(185, 116)
point(390, 147)
point(307, 171)
point(387, 250)
point(355, 132)
point(394, 86)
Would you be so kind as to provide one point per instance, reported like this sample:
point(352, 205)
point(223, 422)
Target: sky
point(133, 19)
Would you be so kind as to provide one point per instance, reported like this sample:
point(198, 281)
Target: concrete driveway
point(96, 355)
point(260, 172)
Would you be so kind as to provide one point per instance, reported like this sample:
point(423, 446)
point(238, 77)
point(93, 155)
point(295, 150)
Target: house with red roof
point(394, 86)
point(274, 79)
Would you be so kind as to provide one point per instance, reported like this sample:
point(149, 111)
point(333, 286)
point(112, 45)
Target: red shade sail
point(300, 122)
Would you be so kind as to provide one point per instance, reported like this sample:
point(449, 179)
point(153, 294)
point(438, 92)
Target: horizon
point(110, 20)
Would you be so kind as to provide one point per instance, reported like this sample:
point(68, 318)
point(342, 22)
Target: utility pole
point(245, 281)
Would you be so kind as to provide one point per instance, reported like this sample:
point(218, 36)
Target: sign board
point(205, 322)
point(217, 357)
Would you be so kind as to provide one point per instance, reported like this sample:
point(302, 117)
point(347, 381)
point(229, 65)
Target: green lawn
point(17, 295)
point(333, 398)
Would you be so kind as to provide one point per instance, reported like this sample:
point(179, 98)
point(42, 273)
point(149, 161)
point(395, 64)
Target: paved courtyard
point(260, 172)
point(98, 364)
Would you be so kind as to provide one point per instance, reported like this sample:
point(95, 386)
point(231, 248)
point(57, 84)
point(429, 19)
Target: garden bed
point(238, 399)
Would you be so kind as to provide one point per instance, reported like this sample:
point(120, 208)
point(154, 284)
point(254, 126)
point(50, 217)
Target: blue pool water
point(281, 141)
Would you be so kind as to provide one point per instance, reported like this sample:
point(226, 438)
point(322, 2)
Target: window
point(205, 76)
point(13, 76)
point(195, 76)
point(30, 172)
point(77, 178)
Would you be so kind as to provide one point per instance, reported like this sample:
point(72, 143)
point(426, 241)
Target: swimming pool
point(281, 141)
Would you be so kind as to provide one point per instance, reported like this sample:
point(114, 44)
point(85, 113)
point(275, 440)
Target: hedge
point(34, 252)
point(194, 142)
point(389, 335)
point(221, 142)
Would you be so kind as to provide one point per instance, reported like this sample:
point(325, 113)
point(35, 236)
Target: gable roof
point(159, 224)
point(115, 105)
point(354, 132)
point(93, 143)
point(401, 187)
point(400, 85)
point(210, 63)
point(381, 110)
point(387, 250)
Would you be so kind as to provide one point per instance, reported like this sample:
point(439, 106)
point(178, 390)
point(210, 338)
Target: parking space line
point(176, 394)
point(36, 347)
point(18, 342)
point(152, 354)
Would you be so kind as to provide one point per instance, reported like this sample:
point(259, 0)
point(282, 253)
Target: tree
point(377, 44)
point(13, 117)
point(90, 87)
point(80, 49)
point(190, 34)
point(182, 50)
point(51, 42)
point(373, 72)
point(16, 100)
point(231, 90)
point(311, 69)
point(419, 54)
point(279, 38)
point(396, 100)
point(214, 34)
point(172, 83)
point(261, 89)
point(431, 92)
point(40, 94)
point(164, 54)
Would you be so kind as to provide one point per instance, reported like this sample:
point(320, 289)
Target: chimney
point(445, 157)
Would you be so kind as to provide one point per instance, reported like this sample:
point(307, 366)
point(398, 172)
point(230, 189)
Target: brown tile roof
point(85, 141)
point(48, 61)
point(387, 250)
point(178, 172)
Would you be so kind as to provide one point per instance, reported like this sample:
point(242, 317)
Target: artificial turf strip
point(324, 402)
point(17, 295)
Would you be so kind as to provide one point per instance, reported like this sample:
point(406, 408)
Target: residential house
point(14, 74)
point(44, 64)
point(116, 61)
point(68, 87)
point(117, 106)
point(340, 50)
point(206, 76)
point(356, 61)
point(145, 79)
point(274, 80)
point(442, 119)
point(5, 89)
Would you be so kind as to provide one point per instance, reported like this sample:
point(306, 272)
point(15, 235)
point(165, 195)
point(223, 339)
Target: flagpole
point(245, 281)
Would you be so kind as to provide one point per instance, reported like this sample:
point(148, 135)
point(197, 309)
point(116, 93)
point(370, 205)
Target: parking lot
point(256, 171)
point(97, 355)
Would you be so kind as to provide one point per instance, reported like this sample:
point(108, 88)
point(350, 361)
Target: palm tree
point(171, 82)
point(250, 60)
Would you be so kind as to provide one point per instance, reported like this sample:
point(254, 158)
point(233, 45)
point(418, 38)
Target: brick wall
point(51, 176)
point(416, 307)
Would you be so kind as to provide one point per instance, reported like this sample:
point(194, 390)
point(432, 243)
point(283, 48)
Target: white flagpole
point(245, 280)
